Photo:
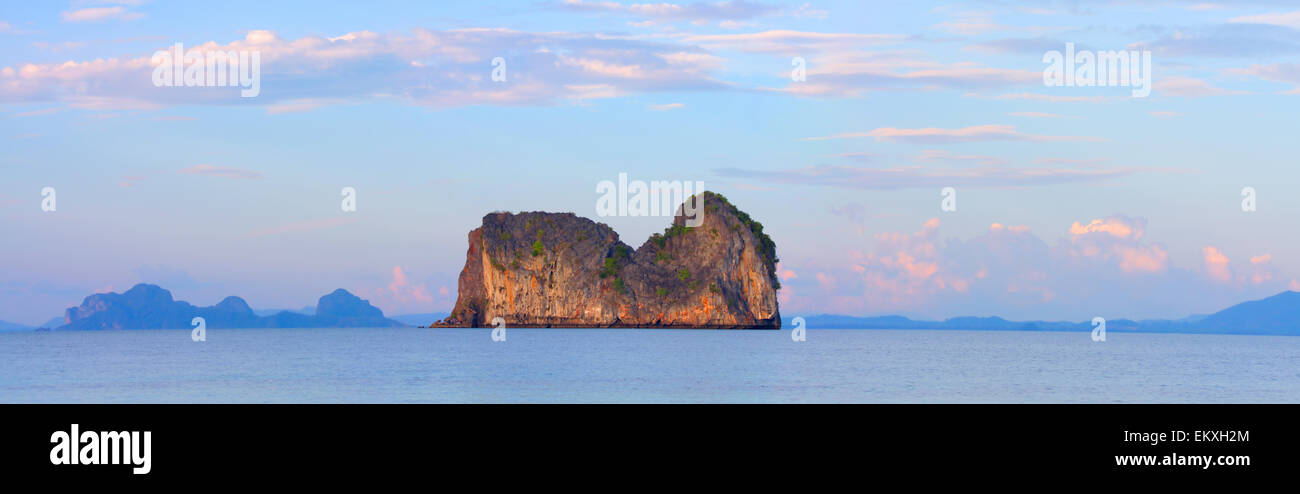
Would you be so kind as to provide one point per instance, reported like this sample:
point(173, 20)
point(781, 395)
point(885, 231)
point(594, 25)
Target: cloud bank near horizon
point(1097, 269)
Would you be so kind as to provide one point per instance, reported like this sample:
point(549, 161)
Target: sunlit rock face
point(558, 270)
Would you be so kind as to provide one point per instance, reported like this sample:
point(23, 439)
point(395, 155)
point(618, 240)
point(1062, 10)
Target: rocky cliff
point(558, 270)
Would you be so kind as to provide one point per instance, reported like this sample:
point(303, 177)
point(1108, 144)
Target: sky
point(838, 125)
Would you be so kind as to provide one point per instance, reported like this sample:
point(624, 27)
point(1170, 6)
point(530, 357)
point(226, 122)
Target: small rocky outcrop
point(538, 269)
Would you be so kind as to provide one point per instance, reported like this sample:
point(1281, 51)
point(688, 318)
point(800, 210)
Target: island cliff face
point(558, 270)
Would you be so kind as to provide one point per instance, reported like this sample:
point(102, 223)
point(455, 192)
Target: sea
point(413, 365)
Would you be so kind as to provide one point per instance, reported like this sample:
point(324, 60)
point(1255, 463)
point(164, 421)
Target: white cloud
point(971, 24)
point(792, 43)
point(1288, 19)
point(847, 80)
point(1288, 73)
point(1190, 87)
point(37, 113)
point(981, 23)
point(296, 106)
point(695, 12)
point(452, 69)
point(842, 65)
point(906, 177)
point(1051, 98)
point(99, 14)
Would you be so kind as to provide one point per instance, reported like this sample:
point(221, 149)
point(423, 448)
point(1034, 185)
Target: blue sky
point(1073, 202)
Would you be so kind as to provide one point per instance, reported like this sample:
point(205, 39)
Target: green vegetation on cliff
point(766, 247)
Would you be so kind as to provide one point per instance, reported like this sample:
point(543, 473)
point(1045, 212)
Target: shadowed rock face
point(558, 270)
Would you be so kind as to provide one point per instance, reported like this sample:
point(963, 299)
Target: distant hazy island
point(1276, 315)
point(534, 269)
point(147, 306)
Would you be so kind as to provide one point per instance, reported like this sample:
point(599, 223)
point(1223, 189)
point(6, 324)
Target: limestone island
point(557, 270)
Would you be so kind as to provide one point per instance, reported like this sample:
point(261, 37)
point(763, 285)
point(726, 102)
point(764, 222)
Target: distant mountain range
point(1276, 315)
point(13, 326)
point(151, 307)
point(147, 306)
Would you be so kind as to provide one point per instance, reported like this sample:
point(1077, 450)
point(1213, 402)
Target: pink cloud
point(130, 181)
point(403, 291)
point(997, 227)
point(965, 134)
point(1143, 259)
point(1102, 265)
point(1216, 264)
point(402, 295)
point(825, 281)
point(1119, 227)
point(1260, 270)
point(1118, 239)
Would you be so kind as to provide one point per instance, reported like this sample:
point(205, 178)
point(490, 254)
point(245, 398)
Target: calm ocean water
point(622, 365)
